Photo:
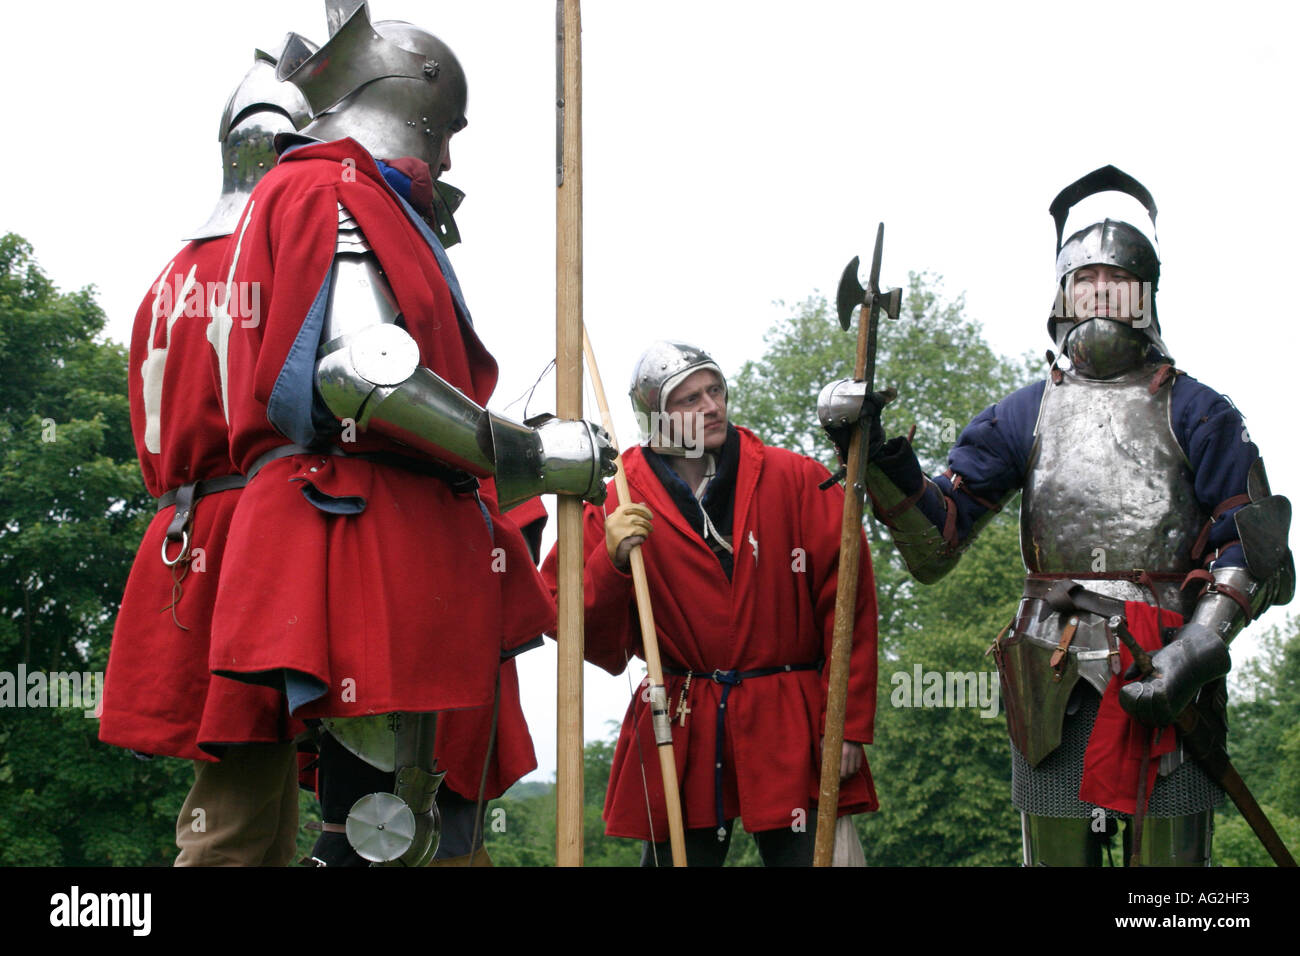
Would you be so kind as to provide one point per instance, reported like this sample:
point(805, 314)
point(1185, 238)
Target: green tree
point(598, 849)
point(1264, 741)
point(73, 508)
point(942, 774)
point(521, 824)
point(936, 359)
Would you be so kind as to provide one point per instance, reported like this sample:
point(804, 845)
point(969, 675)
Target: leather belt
point(460, 482)
point(183, 500)
point(729, 679)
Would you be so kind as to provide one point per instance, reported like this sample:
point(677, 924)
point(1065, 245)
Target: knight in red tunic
point(160, 696)
point(483, 751)
point(368, 576)
point(742, 568)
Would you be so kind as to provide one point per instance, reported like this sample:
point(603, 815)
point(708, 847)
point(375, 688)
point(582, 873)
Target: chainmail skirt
point(1052, 788)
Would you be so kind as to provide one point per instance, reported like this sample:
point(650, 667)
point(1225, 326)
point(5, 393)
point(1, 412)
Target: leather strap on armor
point(1210, 585)
point(959, 484)
point(1163, 374)
point(886, 516)
point(1202, 539)
point(1135, 577)
point(1146, 579)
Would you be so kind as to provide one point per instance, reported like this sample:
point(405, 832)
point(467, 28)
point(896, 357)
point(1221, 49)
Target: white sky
point(736, 154)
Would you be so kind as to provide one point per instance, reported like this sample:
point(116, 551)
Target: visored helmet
point(394, 88)
point(260, 107)
point(1109, 242)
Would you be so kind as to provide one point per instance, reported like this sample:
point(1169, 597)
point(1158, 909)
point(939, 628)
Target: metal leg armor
point(400, 828)
point(1070, 841)
point(1060, 841)
point(1174, 841)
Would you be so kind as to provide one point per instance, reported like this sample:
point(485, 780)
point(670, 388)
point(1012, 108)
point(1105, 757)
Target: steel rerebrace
point(729, 679)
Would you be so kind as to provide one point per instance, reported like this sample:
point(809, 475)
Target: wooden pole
point(846, 603)
point(649, 637)
point(568, 405)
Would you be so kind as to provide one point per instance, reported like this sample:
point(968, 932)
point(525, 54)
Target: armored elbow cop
point(368, 371)
point(1235, 596)
point(374, 378)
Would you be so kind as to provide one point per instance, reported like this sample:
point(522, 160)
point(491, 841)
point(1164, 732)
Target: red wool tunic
point(407, 603)
point(463, 735)
point(160, 697)
point(777, 609)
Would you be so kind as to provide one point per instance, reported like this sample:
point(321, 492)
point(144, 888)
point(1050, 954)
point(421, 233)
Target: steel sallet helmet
point(1109, 242)
point(659, 370)
point(260, 107)
point(394, 88)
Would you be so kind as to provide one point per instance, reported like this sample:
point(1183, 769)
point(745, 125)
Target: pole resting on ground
point(851, 294)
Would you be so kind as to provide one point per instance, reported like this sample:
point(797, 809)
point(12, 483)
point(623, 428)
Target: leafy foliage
point(521, 824)
point(1264, 741)
point(73, 508)
point(941, 773)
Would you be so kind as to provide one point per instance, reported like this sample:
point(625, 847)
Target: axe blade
point(873, 283)
point(850, 294)
point(894, 303)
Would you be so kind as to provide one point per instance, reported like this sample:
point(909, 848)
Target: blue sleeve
point(1213, 436)
point(295, 407)
point(988, 462)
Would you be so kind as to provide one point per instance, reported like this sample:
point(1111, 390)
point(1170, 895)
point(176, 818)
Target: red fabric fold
point(1113, 761)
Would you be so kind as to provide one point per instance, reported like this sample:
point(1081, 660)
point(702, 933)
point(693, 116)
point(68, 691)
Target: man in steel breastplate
point(1146, 508)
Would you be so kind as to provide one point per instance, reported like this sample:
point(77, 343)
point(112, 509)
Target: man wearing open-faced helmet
point(370, 575)
point(1145, 510)
point(741, 553)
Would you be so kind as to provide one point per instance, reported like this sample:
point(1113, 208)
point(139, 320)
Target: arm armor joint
point(368, 371)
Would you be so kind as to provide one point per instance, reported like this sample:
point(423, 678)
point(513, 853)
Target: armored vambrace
point(1233, 597)
point(929, 551)
point(368, 371)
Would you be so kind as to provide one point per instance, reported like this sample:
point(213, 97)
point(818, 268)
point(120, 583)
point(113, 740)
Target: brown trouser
point(481, 858)
point(243, 810)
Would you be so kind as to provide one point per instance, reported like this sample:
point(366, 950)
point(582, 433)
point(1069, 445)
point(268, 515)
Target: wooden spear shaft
point(846, 603)
point(649, 637)
point(568, 405)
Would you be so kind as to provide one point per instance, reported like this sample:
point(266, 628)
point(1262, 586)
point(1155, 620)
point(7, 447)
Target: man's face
point(697, 411)
point(444, 153)
point(1107, 292)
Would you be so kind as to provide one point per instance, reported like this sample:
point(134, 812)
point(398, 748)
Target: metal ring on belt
point(183, 499)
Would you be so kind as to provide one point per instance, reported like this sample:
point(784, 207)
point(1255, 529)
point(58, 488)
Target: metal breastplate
point(1108, 487)
point(1108, 490)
